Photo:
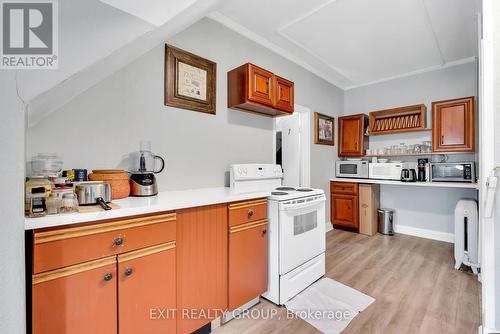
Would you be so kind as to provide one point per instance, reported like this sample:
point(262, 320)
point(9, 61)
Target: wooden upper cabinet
point(352, 135)
point(260, 87)
point(453, 125)
point(254, 89)
point(284, 94)
point(79, 299)
point(146, 290)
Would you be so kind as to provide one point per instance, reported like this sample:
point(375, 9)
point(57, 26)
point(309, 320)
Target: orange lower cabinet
point(80, 299)
point(248, 256)
point(201, 266)
point(146, 290)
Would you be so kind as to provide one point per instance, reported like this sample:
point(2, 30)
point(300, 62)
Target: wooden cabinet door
point(146, 290)
point(202, 251)
point(344, 210)
point(260, 85)
point(79, 299)
point(352, 136)
point(453, 125)
point(248, 256)
point(284, 94)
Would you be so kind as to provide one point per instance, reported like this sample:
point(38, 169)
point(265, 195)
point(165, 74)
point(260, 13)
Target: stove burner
point(304, 189)
point(279, 193)
point(286, 188)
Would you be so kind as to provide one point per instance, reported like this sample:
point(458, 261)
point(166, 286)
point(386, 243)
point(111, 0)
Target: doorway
point(292, 147)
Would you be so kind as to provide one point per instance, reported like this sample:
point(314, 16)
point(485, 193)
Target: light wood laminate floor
point(412, 279)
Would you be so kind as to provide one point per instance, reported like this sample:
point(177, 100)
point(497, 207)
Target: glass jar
point(54, 204)
point(69, 203)
point(36, 182)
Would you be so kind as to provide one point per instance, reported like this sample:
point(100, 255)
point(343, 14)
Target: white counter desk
point(410, 184)
point(131, 206)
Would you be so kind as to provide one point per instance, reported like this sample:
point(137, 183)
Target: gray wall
point(12, 285)
point(102, 125)
point(425, 208)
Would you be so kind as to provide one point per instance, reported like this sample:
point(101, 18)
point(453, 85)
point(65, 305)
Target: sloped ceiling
point(95, 40)
point(357, 42)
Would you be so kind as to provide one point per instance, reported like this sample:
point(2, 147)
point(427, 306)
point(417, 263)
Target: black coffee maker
point(422, 165)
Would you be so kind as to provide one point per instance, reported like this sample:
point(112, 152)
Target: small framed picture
point(324, 129)
point(190, 81)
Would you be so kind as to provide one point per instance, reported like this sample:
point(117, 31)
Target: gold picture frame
point(324, 129)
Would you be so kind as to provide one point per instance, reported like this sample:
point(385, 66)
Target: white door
point(290, 150)
point(489, 143)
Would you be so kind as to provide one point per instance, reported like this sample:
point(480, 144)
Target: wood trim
point(72, 270)
point(145, 251)
point(243, 227)
point(80, 231)
point(247, 204)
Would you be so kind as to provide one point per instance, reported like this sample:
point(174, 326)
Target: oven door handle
point(289, 207)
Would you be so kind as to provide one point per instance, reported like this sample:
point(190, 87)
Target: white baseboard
point(424, 233)
point(328, 227)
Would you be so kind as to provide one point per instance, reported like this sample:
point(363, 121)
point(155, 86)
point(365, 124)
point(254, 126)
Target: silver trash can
point(386, 221)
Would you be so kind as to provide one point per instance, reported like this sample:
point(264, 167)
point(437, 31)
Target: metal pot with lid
point(94, 192)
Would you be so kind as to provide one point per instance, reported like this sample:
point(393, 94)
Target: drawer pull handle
point(128, 271)
point(264, 232)
point(250, 213)
point(118, 241)
point(108, 277)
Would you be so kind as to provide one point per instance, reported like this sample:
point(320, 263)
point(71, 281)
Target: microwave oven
point(453, 172)
point(352, 168)
point(389, 170)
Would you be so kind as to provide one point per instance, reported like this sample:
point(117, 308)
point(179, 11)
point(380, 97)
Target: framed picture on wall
point(324, 129)
point(190, 81)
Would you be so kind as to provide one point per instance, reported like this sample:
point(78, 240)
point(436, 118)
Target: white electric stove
point(296, 229)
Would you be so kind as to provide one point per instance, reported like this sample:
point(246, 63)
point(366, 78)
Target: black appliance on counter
point(408, 175)
point(421, 169)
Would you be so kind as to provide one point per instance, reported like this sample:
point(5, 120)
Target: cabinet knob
point(108, 277)
point(250, 213)
point(442, 139)
point(264, 232)
point(118, 241)
point(128, 271)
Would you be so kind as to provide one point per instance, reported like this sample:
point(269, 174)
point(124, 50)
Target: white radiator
point(466, 234)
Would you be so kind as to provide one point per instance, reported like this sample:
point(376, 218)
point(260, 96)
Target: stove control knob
point(239, 170)
point(245, 171)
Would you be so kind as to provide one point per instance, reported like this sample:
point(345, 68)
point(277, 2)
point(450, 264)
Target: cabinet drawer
point(248, 211)
point(344, 188)
point(57, 248)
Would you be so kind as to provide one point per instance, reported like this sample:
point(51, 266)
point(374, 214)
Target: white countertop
point(410, 184)
point(131, 206)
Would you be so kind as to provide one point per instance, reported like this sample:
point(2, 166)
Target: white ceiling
point(352, 43)
point(157, 12)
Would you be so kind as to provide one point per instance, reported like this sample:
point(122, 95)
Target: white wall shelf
point(416, 154)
